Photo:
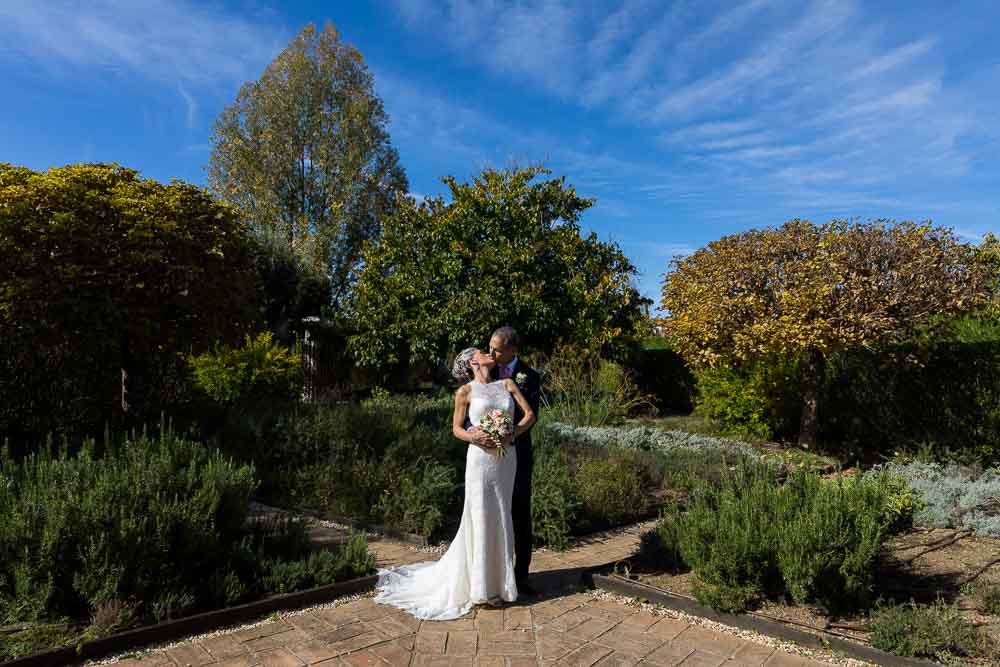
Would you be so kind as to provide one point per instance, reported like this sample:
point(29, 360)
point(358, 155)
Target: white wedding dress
point(479, 564)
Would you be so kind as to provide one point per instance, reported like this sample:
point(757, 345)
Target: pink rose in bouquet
point(498, 425)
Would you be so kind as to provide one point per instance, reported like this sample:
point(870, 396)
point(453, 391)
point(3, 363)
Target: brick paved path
point(572, 628)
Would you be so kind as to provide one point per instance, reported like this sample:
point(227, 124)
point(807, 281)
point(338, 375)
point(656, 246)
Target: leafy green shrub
point(611, 489)
point(421, 501)
point(553, 497)
point(349, 489)
point(832, 532)
point(660, 547)
point(262, 369)
point(928, 631)
point(759, 400)
point(341, 457)
point(749, 537)
point(585, 390)
point(103, 270)
point(902, 502)
point(727, 536)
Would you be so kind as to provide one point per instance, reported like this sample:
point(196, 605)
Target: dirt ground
point(921, 565)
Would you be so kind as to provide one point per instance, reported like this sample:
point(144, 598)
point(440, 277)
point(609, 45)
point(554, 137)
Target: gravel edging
point(789, 638)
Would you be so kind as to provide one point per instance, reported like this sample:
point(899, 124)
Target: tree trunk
point(809, 422)
point(132, 382)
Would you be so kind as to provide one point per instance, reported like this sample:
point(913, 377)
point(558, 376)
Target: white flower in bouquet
point(498, 425)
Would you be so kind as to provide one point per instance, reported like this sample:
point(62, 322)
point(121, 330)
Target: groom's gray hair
point(509, 336)
point(461, 370)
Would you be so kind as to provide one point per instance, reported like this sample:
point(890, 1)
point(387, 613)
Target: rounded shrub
point(554, 504)
point(611, 489)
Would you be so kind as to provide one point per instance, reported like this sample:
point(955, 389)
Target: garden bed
point(138, 532)
point(922, 565)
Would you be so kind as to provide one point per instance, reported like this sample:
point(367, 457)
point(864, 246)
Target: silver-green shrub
point(648, 438)
point(954, 496)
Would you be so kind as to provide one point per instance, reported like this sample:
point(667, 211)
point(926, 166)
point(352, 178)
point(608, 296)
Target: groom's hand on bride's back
point(533, 390)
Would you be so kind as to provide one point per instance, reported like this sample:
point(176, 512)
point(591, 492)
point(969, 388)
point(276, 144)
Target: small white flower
point(520, 378)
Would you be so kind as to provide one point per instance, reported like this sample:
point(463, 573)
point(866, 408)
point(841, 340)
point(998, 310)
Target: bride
point(478, 567)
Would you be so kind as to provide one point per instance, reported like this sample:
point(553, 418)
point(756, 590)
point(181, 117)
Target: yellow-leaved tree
point(808, 290)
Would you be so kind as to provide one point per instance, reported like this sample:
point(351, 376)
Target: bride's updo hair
point(461, 370)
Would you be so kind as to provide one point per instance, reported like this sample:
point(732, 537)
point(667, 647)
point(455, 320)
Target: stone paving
point(561, 627)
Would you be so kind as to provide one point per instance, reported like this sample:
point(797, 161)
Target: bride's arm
point(529, 415)
point(472, 436)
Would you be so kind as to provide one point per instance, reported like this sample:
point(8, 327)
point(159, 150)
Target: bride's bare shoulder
point(463, 391)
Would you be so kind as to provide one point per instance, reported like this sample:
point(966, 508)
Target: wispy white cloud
point(194, 43)
point(894, 58)
point(537, 41)
point(762, 95)
point(191, 103)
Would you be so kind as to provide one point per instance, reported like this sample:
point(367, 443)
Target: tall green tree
point(305, 152)
point(106, 281)
point(507, 249)
point(806, 291)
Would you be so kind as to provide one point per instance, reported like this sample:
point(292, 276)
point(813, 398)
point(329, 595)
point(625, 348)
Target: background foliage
point(507, 249)
point(806, 291)
point(102, 271)
point(304, 152)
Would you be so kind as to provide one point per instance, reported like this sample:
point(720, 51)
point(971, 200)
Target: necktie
point(505, 372)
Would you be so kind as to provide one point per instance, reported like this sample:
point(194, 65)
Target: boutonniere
point(520, 378)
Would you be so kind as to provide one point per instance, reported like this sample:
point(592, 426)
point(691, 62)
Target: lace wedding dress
point(479, 564)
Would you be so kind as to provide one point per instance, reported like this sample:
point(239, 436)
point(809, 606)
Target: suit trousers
point(521, 509)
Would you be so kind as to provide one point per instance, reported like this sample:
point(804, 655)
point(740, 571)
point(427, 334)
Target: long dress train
point(478, 566)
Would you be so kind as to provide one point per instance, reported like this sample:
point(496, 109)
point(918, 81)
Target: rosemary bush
point(813, 539)
point(137, 531)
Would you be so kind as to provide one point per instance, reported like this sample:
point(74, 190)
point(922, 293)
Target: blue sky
point(686, 120)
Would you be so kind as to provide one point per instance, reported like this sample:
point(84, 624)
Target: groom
point(503, 348)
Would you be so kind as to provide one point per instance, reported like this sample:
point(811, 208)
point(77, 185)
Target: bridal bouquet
point(498, 425)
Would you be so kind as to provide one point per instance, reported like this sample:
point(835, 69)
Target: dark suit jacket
point(531, 387)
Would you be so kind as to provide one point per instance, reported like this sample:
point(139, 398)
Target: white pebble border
point(431, 548)
point(339, 526)
point(282, 615)
point(749, 635)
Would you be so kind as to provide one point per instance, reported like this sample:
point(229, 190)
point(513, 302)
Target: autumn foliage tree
point(304, 153)
point(810, 290)
point(507, 249)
